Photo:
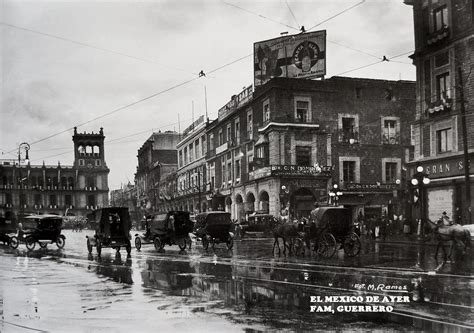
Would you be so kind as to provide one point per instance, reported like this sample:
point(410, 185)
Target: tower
point(91, 169)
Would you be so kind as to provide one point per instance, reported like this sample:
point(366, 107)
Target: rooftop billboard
point(301, 56)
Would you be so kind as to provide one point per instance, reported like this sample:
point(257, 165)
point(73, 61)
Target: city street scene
point(237, 166)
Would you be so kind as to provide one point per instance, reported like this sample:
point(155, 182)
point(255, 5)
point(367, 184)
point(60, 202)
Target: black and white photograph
point(236, 166)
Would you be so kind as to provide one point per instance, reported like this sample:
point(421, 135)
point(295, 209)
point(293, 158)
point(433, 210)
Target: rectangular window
point(191, 152)
point(221, 138)
point(8, 198)
point(224, 175)
point(391, 172)
point(249, 125)
point(237, 132)
point(302, 111)
point(81, 162)
point(229, 134)
point(203, 143)
point(229, 171)
point(23, 200)
point(390, 132)
point(440, 18)
point(185, 155)
point(358, 92)
point(444, 140)
point(443, 86)
point(237, 170)
point(91, 200)
point(97, 162)
point(349, 130)
point(303, 156)
point(53, 200)
point(196, 149)
point(266, 111)
point(37, 199)
point(348, 171)
point(180, 158)
point(68, 200)
point(211, 141)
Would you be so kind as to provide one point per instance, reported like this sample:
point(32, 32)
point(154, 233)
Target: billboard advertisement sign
point(297, 56)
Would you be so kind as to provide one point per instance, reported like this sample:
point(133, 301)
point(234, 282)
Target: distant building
point(50, 189)
point(444, 48)
point(156, 158)
point(126, 196)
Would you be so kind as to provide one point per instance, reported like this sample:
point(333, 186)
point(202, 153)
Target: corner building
point(280, 148)
point(444, 49)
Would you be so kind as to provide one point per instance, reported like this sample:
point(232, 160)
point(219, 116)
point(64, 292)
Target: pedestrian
point(383, 228)
point(378, 223)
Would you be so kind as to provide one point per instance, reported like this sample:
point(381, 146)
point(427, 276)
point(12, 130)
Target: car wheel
point(138, 243)
point(60, 242)
point(158, 244)
point(30, 243)
point(14, 242)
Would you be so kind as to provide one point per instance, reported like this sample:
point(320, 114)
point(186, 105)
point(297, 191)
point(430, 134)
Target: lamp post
point(334, 194)
point(26, 147)
point(420, 180)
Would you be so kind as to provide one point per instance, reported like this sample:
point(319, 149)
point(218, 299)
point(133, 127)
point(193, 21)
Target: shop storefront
point(446, 191)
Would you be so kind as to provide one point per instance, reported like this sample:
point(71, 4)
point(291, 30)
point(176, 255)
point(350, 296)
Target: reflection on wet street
point(247, 288)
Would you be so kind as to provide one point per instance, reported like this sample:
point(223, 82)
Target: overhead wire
point(185, 82)
point(94, 47)
point(336, 15)
point(292, 14)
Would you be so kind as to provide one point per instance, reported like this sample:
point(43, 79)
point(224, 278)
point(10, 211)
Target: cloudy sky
point(68, 63)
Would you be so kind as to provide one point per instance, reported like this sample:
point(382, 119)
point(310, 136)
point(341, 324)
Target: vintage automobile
point(112, 229)
point(337, 231)
point(168, 228)
point(214, 227)
point(257, 223)
point(41, 229)
point(8, 230)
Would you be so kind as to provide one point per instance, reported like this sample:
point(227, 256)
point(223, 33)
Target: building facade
point(442, 132)
point(156, 158)
point(191, 173)
point(49, 189)
point(280, 149)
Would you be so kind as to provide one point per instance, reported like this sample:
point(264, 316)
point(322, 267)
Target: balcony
point(437, 36)
point(439, 107)
point(391, 139)
point(349, 137)
point(222, 148)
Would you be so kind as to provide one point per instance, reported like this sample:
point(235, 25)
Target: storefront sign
point(442, 168)
point(439, 201)
point(370, 187)
point(236, 101)
point(260, 173)
point(297, 170)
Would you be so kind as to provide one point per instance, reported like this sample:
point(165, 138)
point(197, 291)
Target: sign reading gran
point(295, 56)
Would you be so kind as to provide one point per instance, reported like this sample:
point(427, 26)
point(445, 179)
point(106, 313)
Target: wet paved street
point(247, 288)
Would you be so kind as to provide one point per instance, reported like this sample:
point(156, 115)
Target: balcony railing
point(437, 36)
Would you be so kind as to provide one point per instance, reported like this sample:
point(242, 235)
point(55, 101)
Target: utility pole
point(466, 152)
point(199, 188)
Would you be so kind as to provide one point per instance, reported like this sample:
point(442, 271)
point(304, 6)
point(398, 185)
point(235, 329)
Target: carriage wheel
point(89, 246)
point(14, 242)
point(205, 243)
point(230, 243)
point(181, 243)
point(98, 246)
point(327, 246)
point(60, 242)
point(352, 245)
point(128, 248)
point(138, 243)
point(43, 245)
point(30, 243)
point(159, 245)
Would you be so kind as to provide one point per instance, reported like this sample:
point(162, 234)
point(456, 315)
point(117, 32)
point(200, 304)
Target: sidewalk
point(400, 238)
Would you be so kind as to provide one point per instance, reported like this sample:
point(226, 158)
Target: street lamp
point(26, 147)
point(334, 194)
point(420, 180)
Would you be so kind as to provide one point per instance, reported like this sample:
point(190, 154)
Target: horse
point(456, 234)
point(284, 230)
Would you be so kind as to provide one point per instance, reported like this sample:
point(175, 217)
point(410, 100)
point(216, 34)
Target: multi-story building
point(156, 158)
point(191, 173)
point(280, 149)
point(55, 189)
point(126, 196)
point(442, 129)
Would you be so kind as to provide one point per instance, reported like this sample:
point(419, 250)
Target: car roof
point(215, 212)
point(43, 217)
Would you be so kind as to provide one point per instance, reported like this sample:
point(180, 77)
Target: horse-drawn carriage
point(41, 229)
point(112, 229)
point(214, 228)
point(166, 228)
point(333, 229)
